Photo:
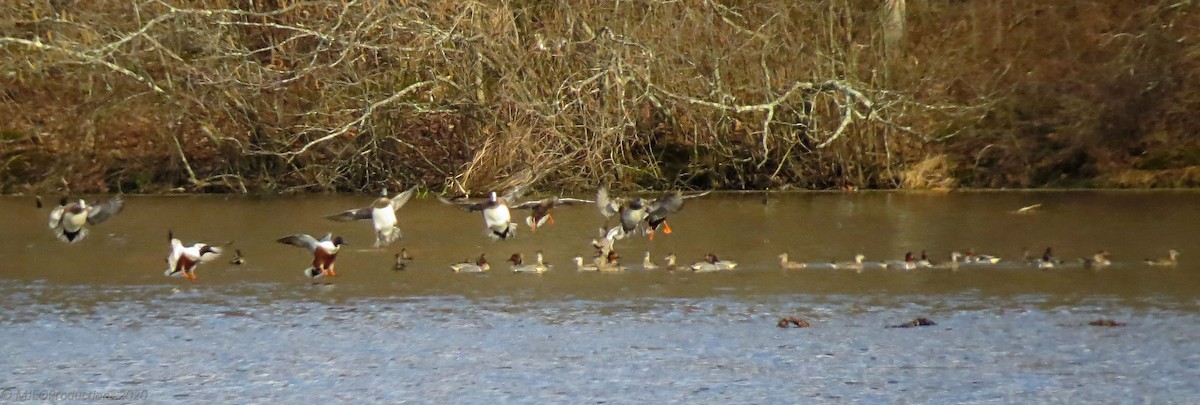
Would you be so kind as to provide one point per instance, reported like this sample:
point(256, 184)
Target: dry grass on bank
point(280, 95)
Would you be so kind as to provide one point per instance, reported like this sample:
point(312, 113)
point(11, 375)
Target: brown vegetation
point(282, 95)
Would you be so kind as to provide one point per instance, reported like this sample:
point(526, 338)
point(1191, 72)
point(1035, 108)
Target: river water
point(100, 316)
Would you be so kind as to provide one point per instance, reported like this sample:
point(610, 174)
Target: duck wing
point(514, 194)
point(571, 201)
point(300, 240)
point(101, 212)
point(608, 206)
point(400, 199)
point(351, 215)
point(467, 205)
point(663, 206)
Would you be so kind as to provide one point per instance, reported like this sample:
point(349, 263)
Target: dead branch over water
point(283, 95)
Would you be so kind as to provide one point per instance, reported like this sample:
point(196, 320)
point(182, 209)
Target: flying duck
point(182, 261)
point(540, 209)
point(69, 218)
point(480, 265)
point(382, 214)
point(632, 211)
point(496, 216)
point(324, 252)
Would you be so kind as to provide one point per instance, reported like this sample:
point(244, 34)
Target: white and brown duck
point(183, 260)
point(324, 252)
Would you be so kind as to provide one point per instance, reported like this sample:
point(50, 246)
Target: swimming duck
point(1046, 261)
point(909, 263)
point(856, 265)
point(496, 216)
point(324, 252)
point(671, 263)
point(540, 209)
point(633, 211)
point(1171, 260)
point(923, 262)
point(382, 214)
point(69, 218)
point(518, 266)
point(540, 261)
point(971, 257)
point(579, 265)
point(610, 262)
point(789, 265)
point(402, 260)
point(182, 261)
point(1097, 261)
point(647, 263)
point(712, 263)
point(954, 257)
point(480, 265)
point(238, 260)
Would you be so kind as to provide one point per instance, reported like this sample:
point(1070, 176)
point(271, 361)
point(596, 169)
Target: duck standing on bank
point(324, 252)
point(382, 214)
point(182, 261)
point(69, 219)
point(496, 216)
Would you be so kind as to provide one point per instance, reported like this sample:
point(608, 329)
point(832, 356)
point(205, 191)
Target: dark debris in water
point(792, 321)
point(1106, 322)
point(915, 323)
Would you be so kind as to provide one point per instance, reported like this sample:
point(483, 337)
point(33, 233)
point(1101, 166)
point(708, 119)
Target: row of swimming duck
point(1047, 260)
point(70, 219)
point(604, 263)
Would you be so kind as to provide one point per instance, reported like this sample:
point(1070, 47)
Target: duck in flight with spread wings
point(496, 215)
point(324, 252)
point(382, 214)
point(540, 209)
point(633, 211)
point(69, 219)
